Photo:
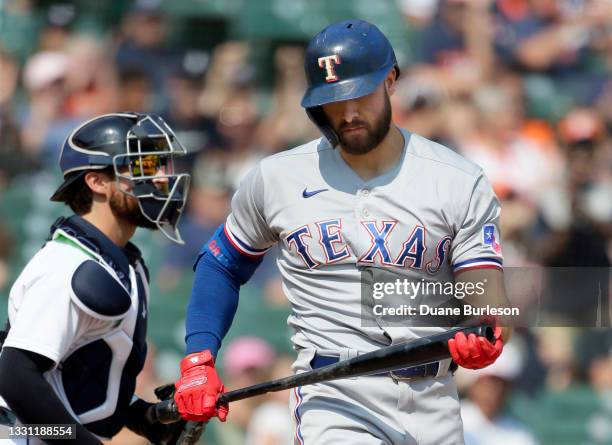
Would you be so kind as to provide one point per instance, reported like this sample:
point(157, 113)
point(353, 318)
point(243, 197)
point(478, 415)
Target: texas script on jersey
point(331, 241)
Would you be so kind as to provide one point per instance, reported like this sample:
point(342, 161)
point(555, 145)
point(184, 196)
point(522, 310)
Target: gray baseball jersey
point(433, 214)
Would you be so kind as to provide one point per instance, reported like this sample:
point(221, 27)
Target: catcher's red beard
point(126, 207)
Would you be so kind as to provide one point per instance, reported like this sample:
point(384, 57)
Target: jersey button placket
point(364, 193)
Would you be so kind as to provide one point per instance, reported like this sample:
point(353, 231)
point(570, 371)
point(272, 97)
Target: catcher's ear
point(98, 182)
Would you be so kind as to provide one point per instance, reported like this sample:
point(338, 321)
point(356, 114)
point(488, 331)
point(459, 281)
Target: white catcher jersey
point(47, 318)
point(433, 214)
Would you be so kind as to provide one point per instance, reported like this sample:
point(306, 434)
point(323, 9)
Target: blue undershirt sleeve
point(220, 270)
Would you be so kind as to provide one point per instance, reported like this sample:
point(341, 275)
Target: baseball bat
point(413, 353)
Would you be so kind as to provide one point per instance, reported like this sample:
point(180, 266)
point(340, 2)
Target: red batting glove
point(198, 389)
point(475, 352)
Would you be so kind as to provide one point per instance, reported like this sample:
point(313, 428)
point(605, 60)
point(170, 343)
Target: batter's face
point(361, 124)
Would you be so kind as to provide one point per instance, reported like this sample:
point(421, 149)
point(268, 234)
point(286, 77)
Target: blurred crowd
point(521, 87)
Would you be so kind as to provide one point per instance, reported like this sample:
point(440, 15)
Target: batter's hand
point(475, 352)
point(198, 389)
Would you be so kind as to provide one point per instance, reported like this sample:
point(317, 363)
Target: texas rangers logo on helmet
point(328, 63)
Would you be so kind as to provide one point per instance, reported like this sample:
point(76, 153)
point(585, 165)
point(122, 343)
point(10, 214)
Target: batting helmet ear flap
point(317, 116)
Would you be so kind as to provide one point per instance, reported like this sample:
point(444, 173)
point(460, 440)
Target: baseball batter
point(366, 195)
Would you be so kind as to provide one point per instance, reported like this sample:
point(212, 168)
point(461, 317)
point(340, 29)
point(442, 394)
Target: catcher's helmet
point(346, 60)
point(139, 148)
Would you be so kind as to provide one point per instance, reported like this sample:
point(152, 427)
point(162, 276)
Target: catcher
point(75, 340)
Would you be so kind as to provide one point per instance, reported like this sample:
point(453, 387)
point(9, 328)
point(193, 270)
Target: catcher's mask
point(141, 149)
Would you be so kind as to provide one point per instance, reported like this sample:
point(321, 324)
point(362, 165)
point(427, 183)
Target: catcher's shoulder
point(55, 258)
point(98, 293)
point(94, 288)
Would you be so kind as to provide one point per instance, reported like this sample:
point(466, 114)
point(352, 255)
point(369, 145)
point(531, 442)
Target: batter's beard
point(372, 138)
point(126, 207)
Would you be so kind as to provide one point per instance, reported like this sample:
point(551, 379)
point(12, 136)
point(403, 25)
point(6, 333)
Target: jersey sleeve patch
point(98, 293)
point(478, 263)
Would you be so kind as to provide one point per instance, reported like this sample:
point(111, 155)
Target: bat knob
point(164, 412)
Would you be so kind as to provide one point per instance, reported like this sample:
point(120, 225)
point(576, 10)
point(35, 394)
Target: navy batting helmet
point(139, 148)
point(346, 60)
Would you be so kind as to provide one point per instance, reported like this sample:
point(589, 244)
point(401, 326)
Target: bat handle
point(192, 432)
point(223, 398)
point(487, 332)
point(165, 411)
